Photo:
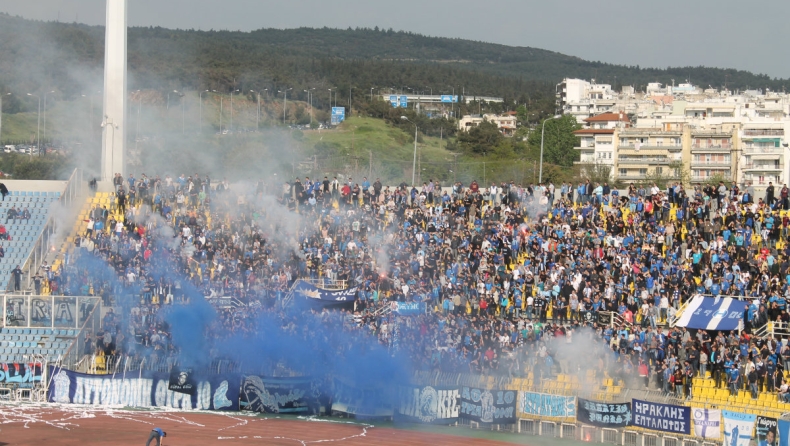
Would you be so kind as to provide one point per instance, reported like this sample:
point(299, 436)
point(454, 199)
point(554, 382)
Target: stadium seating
point(81, 225)
point(706, 395)
point(23, 233)
point(20, 344)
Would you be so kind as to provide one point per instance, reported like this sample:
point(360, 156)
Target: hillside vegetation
point(67, 57)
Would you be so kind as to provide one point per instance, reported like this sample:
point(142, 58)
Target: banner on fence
point(313, 294)
point(766, 431)
point(662, 417)
point(707, 423)
point(603, 414)
point(783, 429)
point(436, 405)
point(149, 389)
point(408, 308)
point(737, 428)
point(278, 395)
point(368, 401)
point(488, 406)
point(18, 372)
point(181, 381)
point(546, 405)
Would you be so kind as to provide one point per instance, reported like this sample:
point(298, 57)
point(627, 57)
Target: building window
point(659, 170)
point(642, 171)
point(623, 172)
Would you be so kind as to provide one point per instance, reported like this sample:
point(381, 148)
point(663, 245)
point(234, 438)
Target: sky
point(717, 33)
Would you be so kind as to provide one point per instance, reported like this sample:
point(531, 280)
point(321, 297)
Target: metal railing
point(33, 311)
point(763, 132)
point(644, 161)
point(75, 352)
point(712, 146)
point(778, 329)
point(766, 167)
point(748, 149)
point(650, 147)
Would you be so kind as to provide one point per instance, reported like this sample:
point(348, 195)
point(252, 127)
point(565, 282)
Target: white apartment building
point(505, 123)
point(742, 136)
point(597, 141)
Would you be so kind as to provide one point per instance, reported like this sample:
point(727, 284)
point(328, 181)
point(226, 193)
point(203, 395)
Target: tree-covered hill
point(67, 57)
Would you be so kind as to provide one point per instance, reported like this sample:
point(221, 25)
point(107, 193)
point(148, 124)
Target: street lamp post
point(168, 98)
point(181, 95)
point(414, 161)
point(45, 111)
point(310, 99)
point(1, 116)
point(200, 101)
point(257, 112)
point(285, 102)
point(38, 126)
point(330, 98)
point(90, 121)
point(542, 132)
point(230, 130)
point(371, 93)
point(137, 124)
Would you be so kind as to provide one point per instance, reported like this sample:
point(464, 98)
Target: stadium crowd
point(513, 277)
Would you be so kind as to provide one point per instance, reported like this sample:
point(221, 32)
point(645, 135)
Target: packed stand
point(511, 275)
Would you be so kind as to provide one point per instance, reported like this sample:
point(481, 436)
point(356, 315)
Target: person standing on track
point(156, 434)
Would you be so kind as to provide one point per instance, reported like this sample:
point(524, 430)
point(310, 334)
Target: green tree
point(558, 141)
point(481, 139)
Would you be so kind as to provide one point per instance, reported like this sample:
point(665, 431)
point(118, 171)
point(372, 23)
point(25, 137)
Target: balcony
point(650, 147)
point(646, 160)
point(763, 132)
point(643, 177)
point(712, 147)
point(700, 178)
point(770, 149)
point(710, 163)
point(753, 167)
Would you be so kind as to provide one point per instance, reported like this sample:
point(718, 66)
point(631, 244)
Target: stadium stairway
point(81, 224)
point(23, 233)
point(24, 344)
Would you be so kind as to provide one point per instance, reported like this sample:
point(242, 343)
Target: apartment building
point(713, 154)
point(644, 153)
point(736, 136)
point(764, 153)
point(505, 123)
point(597, 142)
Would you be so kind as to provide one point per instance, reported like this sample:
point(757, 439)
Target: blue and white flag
point(738, 428)
point(408, 308)
point(783, 426)
point(311, 291)
point(661, 417)
point(707, 423)
point(712, 313)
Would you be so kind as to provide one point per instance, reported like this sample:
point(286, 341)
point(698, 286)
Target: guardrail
point(33, 311)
